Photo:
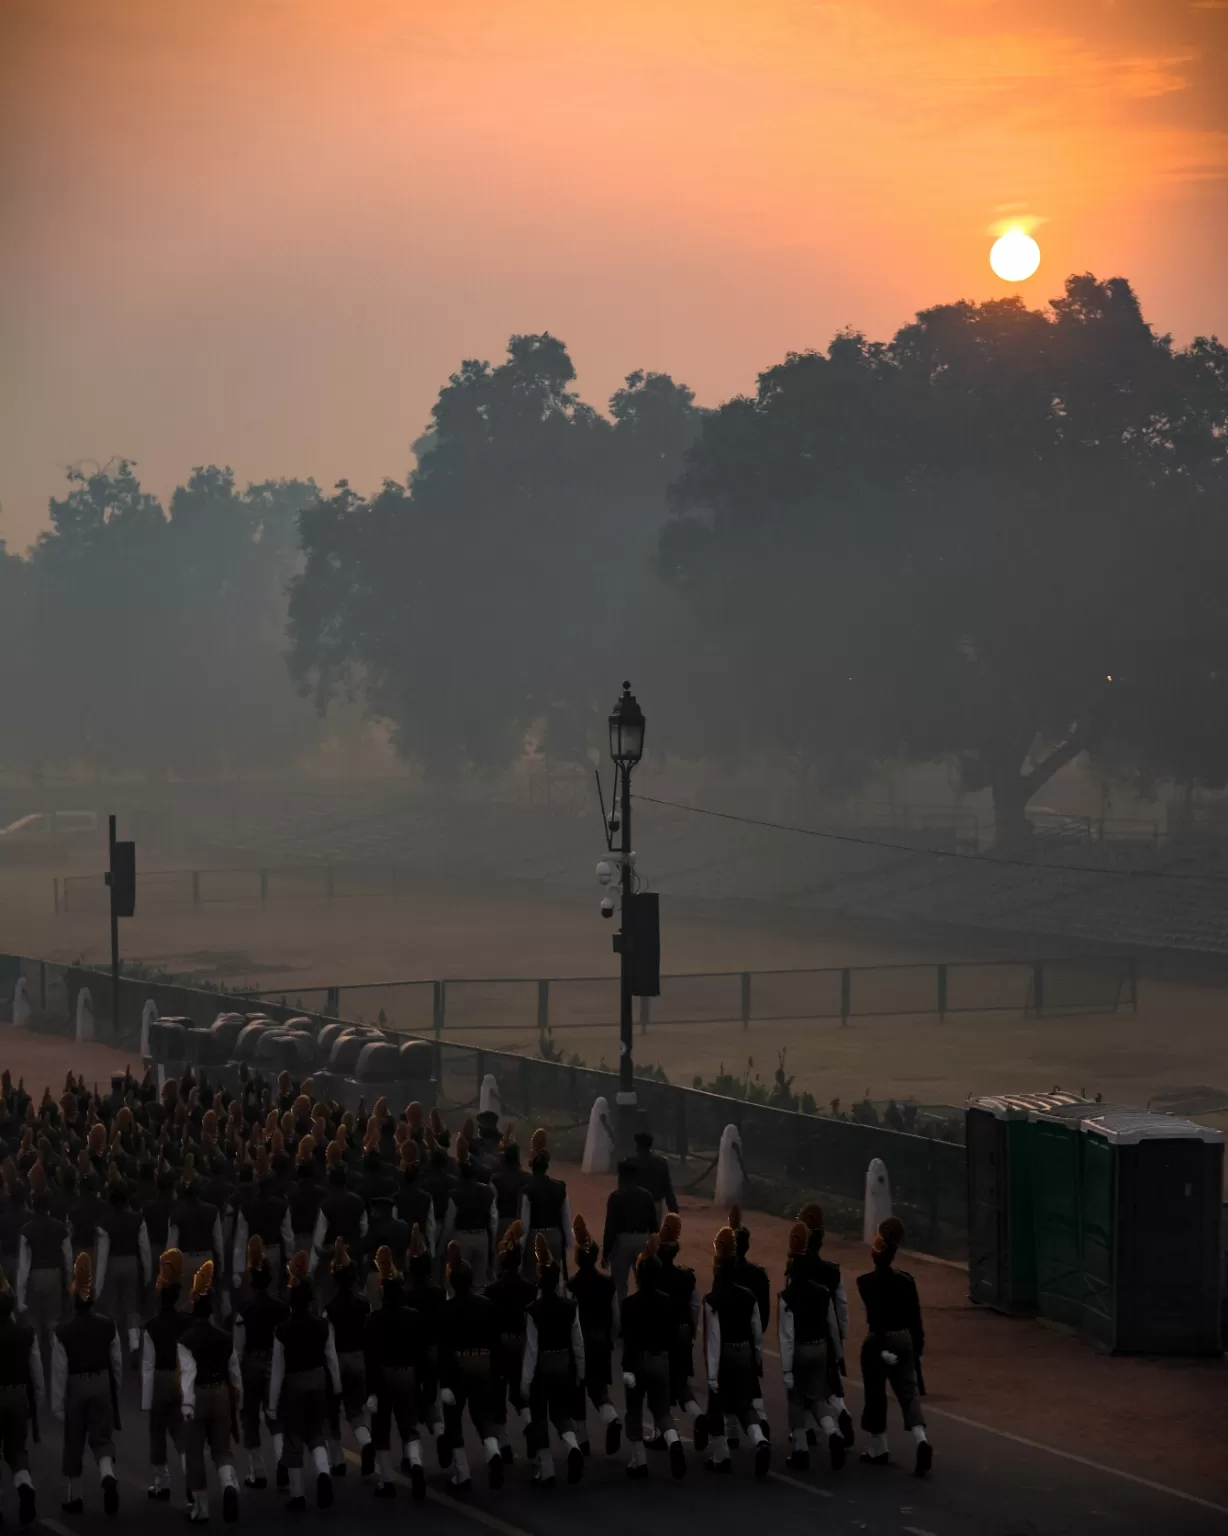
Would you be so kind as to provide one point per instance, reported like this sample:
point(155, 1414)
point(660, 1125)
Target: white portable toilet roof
point(1128, 1127)
point(1017, 1106)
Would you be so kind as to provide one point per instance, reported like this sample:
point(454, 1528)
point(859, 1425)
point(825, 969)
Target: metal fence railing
point(790, 1156)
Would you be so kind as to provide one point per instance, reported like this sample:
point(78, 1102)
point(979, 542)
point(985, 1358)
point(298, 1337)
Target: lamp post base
point(625, 1124)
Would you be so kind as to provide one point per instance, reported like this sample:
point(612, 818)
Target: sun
point(1014, 256)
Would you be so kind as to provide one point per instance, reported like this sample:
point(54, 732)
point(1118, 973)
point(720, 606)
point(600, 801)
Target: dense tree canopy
point(1002, 538)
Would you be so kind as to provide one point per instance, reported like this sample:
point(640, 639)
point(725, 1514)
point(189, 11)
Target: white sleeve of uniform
point(432, 1229)
point(833, 1330)
point(524, 1219)
point(363, 1224)
point(449, 1222)
point(494, 1223)
point(240, 1337)
point(187, 1376)
point(104, 1253)
point(147, 1370)
point(528, 1367)
point(616, 1317)
point(66, 1255)
point(145, 1252)
point(317, 1241)
point(117, 1362)
point(577, 1344)
point(36, 1372)
point(59, 1377)
point(842, 1313)
point(219, 1246)
point(23, 1272)
point(784, 1335)
point(569, 1237)
point(756, 1333)
point(238, 1258)
point(172, 1234)
point(275, 1377)
point(712, 1344)
point(236, 1375)
point(331, 1361)
point(287, 1237)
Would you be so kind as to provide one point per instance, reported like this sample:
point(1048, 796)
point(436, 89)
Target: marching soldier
point(195, 1228)
point(678, 1282)
point(265, 1215)
point(394, 1346)
point(512, 1296)
point(21, 1396)
point(427, 1299)
point(44, 1265)
point(413, 1203)
point(87, 1372)
point(651, 1172)
point(304, 1365)
point(508, 1180)
point(828, 1276)
point(648, 1333)
point(891, 1354)
point(384, 1230)
point(124, 1262)
point(467, 1345)
point(733, 1354)
point(755, 1278)
point(597, 1303)
point(630, 1218)
point(342, 1214)
point(544, 1209)
point(809, 1339)
point(212, 1388)
point(552, 1368)
point(161, 1397)
point(256, 1321)
point(472, 1218)
point(348, 1312)
point(304, 1198)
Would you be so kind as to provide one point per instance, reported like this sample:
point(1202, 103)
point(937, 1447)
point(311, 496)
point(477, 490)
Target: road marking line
point(469, 1511)
point(915, 1530)
point(793, 1482)
point(1053, 1450)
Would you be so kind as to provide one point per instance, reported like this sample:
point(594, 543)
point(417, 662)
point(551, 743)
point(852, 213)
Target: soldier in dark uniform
point(552, 1368)
point(427, 1298)
point(304, 1366)
point(651, 1172)
point(597, 1301)
point(87, 1372)
point(471, 1218)
point(304, 1199)
point(437, 1180)
point(544, 1207)
point(678, 1282)
point(511, 1295)
point(256, 1321)
point(468, 1343)
point(124, 1263)
point(44, 1265)
point(86, 1210)
point(156, 1212)
point(891, 1354)
point(384, 1230)
point(161, 1397)
point(488, 1152)
point(195, 1228)
point(413, 1203)
point(266, 1215)
point(809, 1339)
point(13, 1216)
point(348, 1311)
point(342, 1214)
point(21, 1395)
point(212, 1393)
point(733, 1354)
point(394, 1345)
point(508, 1180)
point(756, 1280)
point(648, 1334)
point(827, 1274)
point(630, 1219)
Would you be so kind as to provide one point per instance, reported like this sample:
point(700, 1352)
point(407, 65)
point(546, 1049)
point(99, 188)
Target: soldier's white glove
point(889, 1358)
point(788, 1381)
point(628, 1379)
point(446, 1398)
point(712, 1387)
point(372, 1404)
point(189, 1413)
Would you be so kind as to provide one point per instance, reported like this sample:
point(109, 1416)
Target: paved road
point(983, 1484)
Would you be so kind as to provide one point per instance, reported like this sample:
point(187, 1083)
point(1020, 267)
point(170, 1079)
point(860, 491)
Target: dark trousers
point(396, 1399)
point(552, 1396)
point(737, 1386)
point(209, 1426)
point(877, 1375)
point(471, 1385)
point(88, 1420)
point(651, 1386)
point(353, 1399)
point(165, 1417)
point(15, 1427)
point(304, 1414)
point(257, 1369)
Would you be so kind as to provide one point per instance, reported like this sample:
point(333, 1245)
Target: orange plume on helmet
point(384, 1265)
point(513, 1237)
point(380, 1111)
point(580, 1231)
point(82, 1277)
point(202, 1280)
point(735, 1216)
point(462, 1150)
point(671, 1228)
point(541, 1252)
point(417, 1243)
point(306, 1150)
point(123, 1121)
point(255, 1251)
point(333, 1154)
point(409, 1154)
point(300, 1107)
point(170, 1268)
point(413, 1114)
point(890, 1234)
point(540, 1141)
point(370, 1142)
point(812, 1216)
point(453, 1256)
point(308, 1087)
point(799, 1236)
point(469, 1130)
point(341, 1256)
point(283, 1082)
point(98, 1139)
point(272, 1122)
point(724, 1246)
point(298, 1268)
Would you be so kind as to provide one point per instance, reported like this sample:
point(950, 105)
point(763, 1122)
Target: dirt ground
point(1174, 1049)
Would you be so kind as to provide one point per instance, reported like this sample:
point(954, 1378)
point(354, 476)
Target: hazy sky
point(262, 232)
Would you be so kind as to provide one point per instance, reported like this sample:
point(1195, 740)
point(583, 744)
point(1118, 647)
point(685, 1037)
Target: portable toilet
point(1151, 1192)
point(1001, 1231)
point(1055, 1138)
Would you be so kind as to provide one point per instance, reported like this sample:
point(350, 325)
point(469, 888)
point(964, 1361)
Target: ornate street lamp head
point(627, 730)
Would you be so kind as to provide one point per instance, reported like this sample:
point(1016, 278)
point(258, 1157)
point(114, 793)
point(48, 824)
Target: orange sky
point(263, 232)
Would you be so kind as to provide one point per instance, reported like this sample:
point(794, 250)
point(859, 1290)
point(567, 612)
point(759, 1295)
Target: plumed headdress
point(724, 1247)
point(170, 1268)
point(888, 1238)
point(298, 1269)
point(812, 1216)
point(255, 1251)
point(799, 1236)
point(341, 1256)
point(671, 1230)
point(512, 1239)
point(306, 1150)
point(384, 1265)
point(202, 1280)
point(82, 1277)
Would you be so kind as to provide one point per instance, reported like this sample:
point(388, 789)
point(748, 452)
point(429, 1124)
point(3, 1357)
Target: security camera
point(607, 906)
point(605, 872)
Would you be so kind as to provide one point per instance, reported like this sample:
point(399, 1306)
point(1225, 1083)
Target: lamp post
point(626, 748)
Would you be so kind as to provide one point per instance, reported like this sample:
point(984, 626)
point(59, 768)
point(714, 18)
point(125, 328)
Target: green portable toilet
point(1055, 1139)
point(1151, 1192)
point(1001, 1235)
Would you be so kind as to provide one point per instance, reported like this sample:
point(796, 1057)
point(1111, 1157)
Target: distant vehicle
point(43, 825)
